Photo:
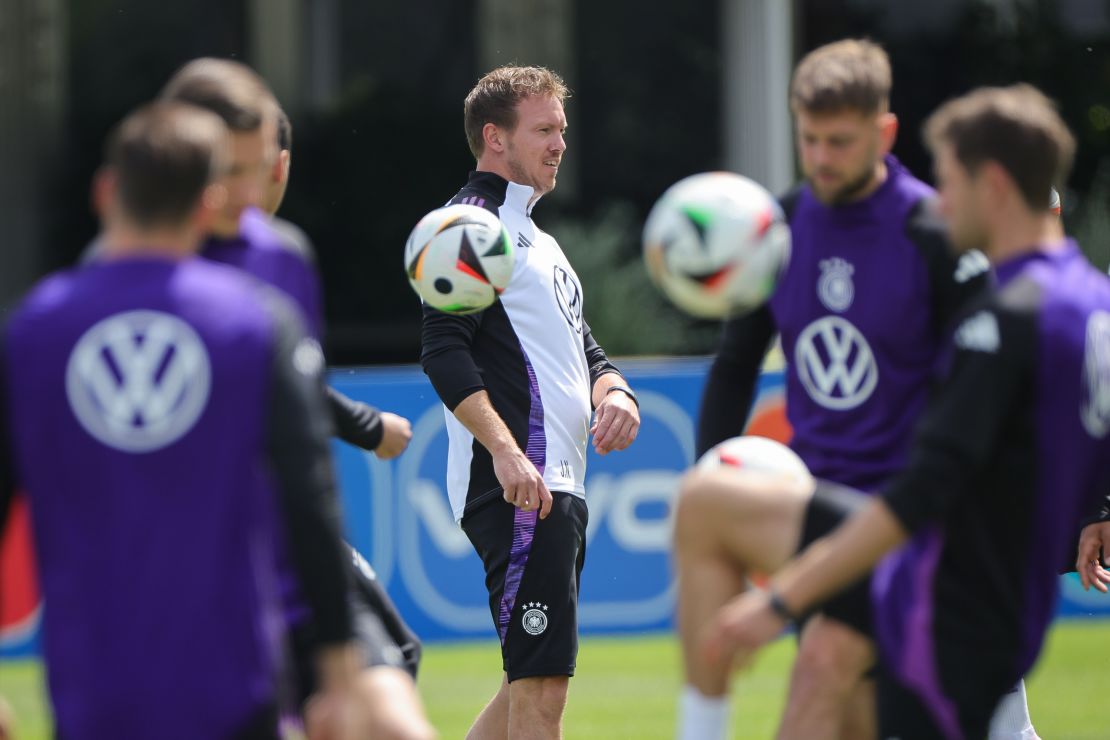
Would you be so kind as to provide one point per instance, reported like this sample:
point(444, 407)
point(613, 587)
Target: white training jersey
point(531, 351)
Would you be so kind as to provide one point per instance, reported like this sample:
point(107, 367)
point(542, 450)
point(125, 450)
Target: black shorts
point(380, 632)
point(532, 577)
point(831, 504)
point(973, 691)
point(370, 593)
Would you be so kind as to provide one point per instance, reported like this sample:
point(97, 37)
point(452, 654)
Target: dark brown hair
point(163, 156)
point(853, 74)
point(495, 97)
point(1017, 127)
point(230, 89)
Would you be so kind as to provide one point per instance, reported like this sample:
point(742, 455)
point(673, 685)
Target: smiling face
point(840, 152)
point(534, 148)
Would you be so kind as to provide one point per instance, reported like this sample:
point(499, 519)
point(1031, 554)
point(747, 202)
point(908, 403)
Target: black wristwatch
point(779, 607)
point(626, 391)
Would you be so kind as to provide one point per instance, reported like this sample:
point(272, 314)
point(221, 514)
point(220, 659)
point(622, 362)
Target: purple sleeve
point(303, 285)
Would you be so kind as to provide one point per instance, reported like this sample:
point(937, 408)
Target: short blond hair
point(495, 97)
point(853, 74)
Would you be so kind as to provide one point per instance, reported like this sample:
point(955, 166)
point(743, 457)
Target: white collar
point(519, 198)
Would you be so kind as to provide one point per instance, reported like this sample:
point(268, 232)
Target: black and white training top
point(531, 351)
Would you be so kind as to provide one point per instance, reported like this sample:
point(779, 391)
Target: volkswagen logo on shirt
point(138, 381)
point(569, 296)
point(835, 364)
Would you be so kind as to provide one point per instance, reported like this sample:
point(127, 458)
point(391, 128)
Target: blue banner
point(399, 518)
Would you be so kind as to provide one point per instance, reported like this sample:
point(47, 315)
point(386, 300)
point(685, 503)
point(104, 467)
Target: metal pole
point(276, 48)
point(32, 91)
point(758, 56)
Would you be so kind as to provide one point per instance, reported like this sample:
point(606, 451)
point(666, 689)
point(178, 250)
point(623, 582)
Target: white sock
point(1011, 717)
point(702, 717)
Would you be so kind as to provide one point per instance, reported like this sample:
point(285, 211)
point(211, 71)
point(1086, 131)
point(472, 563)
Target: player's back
point(138, 398)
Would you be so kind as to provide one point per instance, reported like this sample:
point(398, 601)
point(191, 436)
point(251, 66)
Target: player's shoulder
point(293, 239)
point(483, 189)
point(999, 318)
point(53, 293)
point(928, 233)
point(789, 200)
point(277, 236)
point(214, 280)
point(236, 295)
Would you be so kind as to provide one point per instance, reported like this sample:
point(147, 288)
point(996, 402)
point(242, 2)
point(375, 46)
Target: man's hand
point(742, 626)
point(521, 481)
point(1094, 542)
point(396, 433)
point(616, 423)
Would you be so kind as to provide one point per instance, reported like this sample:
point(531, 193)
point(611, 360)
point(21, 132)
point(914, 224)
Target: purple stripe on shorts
point(919, 668)
point(524, 528)
point(524, 522)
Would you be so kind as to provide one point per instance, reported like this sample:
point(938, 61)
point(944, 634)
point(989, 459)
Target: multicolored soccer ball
point(755, 453)
point(716, 244)
point(459, 259)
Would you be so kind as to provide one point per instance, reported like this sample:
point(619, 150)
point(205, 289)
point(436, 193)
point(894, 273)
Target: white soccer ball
point(755, 453)
point(716, 244)
point(459, 259)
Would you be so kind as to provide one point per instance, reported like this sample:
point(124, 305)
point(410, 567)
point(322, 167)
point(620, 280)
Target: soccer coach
point(518, 381)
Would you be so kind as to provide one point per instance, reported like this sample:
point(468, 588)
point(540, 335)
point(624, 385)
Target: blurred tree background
point(376, 99)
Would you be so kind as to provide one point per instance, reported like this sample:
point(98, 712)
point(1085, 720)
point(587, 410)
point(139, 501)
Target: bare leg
point(728, 524)
point(394, 707)
point(828, 698)
point(536, 707)
point(493, 721)
point(861, 716)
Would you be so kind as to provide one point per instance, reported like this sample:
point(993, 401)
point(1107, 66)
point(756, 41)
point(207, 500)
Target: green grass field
point(626, 688)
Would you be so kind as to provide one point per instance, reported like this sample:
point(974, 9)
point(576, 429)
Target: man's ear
point(493, 137)
point(998, 182)
point(209, 205)
point(102, 194)
point(280, 171)
point(888, 131)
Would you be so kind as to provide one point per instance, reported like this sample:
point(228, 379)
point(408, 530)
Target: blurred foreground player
point(244, 236)
point(1014, 448)
point(166, 415)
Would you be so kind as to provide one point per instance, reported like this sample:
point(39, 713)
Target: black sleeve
point(992, 370)
point(730, 387)
point(596, 359)
point(445, 341)
point(298, 428)
point(954, 280)
point(356, 423)
point(1101, 513)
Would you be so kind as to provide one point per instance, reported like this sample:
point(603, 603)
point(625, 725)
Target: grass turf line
point(628, 687)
